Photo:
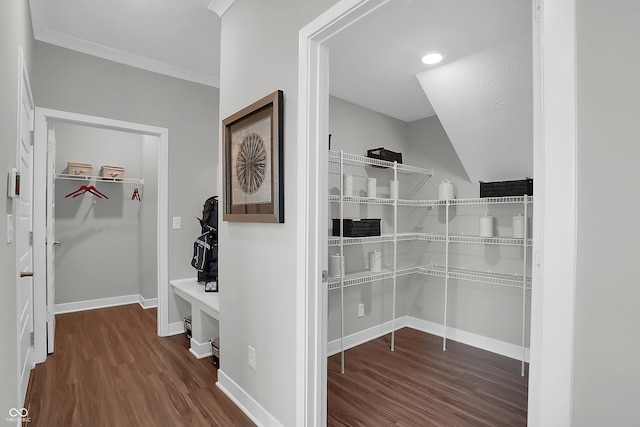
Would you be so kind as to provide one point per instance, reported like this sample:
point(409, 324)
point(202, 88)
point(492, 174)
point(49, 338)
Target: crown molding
point(220, 6)
point(126, 58)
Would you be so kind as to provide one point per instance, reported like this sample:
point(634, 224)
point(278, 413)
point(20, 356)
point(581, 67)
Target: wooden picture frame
point(253, 162)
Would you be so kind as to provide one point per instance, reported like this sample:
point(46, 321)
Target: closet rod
point(68, 177)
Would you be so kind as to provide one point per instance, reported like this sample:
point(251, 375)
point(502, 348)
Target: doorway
point(44, 152)
point(554, 150)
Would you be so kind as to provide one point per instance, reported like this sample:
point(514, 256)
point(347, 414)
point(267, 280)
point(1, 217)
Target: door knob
point(26, 274)
point(56, 243)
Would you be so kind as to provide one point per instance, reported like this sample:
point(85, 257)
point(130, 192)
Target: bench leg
point(204, 328)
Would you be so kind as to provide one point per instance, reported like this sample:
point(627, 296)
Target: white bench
point(204, 314)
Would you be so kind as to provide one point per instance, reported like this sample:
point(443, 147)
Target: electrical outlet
point(177, 223)
point(361, 309)
point(252, 357)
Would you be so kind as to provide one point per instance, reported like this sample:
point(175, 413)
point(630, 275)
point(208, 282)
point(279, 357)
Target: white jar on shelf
point(486, 226)
point(372, 185)
point(446, 190)
point(337, 266)
point(347, 189)
point(518, 227)
point(394, 189)
point(375, 262)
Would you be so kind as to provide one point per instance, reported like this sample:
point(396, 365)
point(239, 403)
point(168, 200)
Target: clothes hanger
point(93, 190)
point(82, 189)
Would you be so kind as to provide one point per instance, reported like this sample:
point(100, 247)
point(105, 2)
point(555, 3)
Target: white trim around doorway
point(42, 116)
point(555, 147)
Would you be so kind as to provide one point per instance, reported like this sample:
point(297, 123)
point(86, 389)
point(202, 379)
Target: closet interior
point(105, 217)
point(414, 241)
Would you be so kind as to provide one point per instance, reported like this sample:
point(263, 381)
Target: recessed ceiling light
point(432, 58)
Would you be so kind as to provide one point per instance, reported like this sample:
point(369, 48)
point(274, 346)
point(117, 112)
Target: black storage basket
point(507, 188)
point(384, 154)
point(353, 228)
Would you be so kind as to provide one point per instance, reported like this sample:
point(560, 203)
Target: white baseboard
point(147, 302)
point(93, 304)
point(175, 329)
point(479, 341)
point(245, 402)
point(354, 340)
point(200, 350)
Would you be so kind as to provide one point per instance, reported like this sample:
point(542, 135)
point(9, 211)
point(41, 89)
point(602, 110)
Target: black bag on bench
point(205, 248)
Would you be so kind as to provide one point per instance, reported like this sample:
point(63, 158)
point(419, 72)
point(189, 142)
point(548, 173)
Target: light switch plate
point(9, 228)
point(177, 223)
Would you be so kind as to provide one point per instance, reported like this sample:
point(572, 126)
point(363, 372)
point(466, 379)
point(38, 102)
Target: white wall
point(354, 129)
point(486, 310)
point(15, 31)
point(98, 234)
point(70, 81)
point(259, 54)
point(607, 342)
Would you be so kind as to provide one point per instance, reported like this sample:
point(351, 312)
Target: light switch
point(177, 222)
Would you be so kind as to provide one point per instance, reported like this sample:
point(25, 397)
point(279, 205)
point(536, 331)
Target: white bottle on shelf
point(486, 226)
point(518, 227)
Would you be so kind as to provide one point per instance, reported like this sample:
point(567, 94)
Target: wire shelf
point(353, 159)
point(501, 279)
point(362, 200)
point(514, 241)
point(360, 278)
point(490, 200)
point(335, 241)
point(403, 237)
point(68, 177)
point(428, 237)
point(421, 203)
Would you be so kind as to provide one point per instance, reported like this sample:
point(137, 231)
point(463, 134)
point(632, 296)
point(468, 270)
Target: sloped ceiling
point(481, 92)
point(484, 102)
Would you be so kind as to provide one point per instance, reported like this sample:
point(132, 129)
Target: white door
point(51, 243)
point(24, 237)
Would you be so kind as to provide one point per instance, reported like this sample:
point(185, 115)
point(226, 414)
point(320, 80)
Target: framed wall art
point(253, 167)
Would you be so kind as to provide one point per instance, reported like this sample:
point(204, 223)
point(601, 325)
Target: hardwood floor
point(420, 385)
point(111, 369)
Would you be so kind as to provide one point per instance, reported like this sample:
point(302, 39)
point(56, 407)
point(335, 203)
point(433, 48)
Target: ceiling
point(375, 63)
point(179, 38)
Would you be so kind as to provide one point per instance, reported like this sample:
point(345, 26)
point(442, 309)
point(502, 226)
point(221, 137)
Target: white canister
point(486, 226)
point(446, 190)
point(336, 265)
point(372, 185)
point(375, 262)
point(347, 189)
point(394, 189)
point(518, 227)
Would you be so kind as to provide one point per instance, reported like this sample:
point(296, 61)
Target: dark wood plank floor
point(420, 385)
point(111, 369)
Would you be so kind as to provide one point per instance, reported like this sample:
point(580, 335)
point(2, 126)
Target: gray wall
point(257, 264)
point(70, 81)
point(15, 31)
point(354, 129)
point(490, 311)
point(607, 342)
point(97, 234)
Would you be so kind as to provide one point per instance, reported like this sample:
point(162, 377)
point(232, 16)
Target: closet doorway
point(553, 138)
point(87, 220)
